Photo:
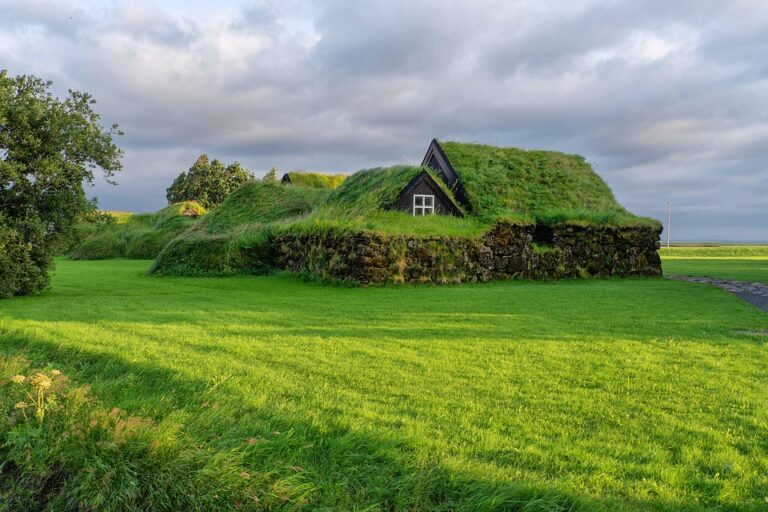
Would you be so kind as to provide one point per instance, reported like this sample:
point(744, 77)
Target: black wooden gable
point(436, 159)
point(424, 185)
point(286, 179)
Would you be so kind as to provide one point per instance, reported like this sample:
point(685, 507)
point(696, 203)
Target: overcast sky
point(667, 99)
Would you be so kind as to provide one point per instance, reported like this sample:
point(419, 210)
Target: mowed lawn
point(741, 263)
point(637, 394)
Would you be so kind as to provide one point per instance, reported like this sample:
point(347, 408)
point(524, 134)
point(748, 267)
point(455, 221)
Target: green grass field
point(636, 394)
point(742, 263)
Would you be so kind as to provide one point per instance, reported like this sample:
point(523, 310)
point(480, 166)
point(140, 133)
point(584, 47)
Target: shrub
point(22, 267)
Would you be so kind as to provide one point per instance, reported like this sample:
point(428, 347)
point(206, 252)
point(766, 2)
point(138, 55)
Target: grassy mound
point(316, 180)
point(261, 202)
point(137, 236)
point(547, 186)
point(235, 237)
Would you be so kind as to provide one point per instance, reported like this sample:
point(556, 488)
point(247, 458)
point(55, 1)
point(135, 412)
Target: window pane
point(418, 211)
point(418, 200)
point(429, 200)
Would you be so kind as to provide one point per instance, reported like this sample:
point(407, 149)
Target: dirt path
point(754, 293)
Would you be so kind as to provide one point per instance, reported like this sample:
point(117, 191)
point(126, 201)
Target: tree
point(206, 182)
point(49, 147)
point(271, 175)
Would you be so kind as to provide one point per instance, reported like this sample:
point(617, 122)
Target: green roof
point(262, 202)
point(500, 182)
point(378, 189)
point(316, 180)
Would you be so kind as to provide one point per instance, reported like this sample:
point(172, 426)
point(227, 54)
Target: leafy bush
point(206, 182)
point(22, 268)
point(61, 451)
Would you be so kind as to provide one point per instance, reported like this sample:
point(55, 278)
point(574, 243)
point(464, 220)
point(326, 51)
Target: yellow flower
point(21, 405)
point(18, 379)
point(55, 373)
point(41, 380)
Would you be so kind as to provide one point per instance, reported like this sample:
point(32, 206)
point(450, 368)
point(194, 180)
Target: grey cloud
point(667, 100)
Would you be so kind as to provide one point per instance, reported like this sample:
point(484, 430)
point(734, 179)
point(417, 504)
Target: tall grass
point(137, 236)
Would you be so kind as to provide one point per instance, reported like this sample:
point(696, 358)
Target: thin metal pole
point(669, 222)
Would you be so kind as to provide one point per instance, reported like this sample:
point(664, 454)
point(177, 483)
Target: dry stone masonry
point(506, 251)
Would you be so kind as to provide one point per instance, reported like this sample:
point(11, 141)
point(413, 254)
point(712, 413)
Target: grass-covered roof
point(378, 189)
point(545, 185)
point(262, 202)
point(316, 180)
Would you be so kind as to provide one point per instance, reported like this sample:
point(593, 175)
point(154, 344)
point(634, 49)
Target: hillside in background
point(138, 236)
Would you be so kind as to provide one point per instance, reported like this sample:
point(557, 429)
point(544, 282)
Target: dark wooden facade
point(436, 160)
point(425, 185)
point(286, 179)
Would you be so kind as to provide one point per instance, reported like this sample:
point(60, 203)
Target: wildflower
point(244, 474)
point(55, 373)
point(41, 381)
point(18, 379)
point(21, 405)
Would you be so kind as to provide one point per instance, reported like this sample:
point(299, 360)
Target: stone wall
point(506, 251)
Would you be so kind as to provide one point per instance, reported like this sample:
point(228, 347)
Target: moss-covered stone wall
point(506, 251)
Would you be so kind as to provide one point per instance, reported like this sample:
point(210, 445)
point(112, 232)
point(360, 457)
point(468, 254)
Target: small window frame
point(423, 204)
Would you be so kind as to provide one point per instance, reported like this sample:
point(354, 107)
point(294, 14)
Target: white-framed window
point(423, 204)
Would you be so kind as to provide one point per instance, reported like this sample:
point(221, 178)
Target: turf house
point(470, 212)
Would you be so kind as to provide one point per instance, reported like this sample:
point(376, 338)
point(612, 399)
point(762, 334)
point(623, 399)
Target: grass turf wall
point(508, 250)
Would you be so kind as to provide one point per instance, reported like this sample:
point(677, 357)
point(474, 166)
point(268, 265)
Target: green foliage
point(598, 395)
point(60, 450)
point(139, 236)
point(20, 269)
point(316, 180)
point(271, 175)
point(503, 181)
point(49, 147)
point(207, 183)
